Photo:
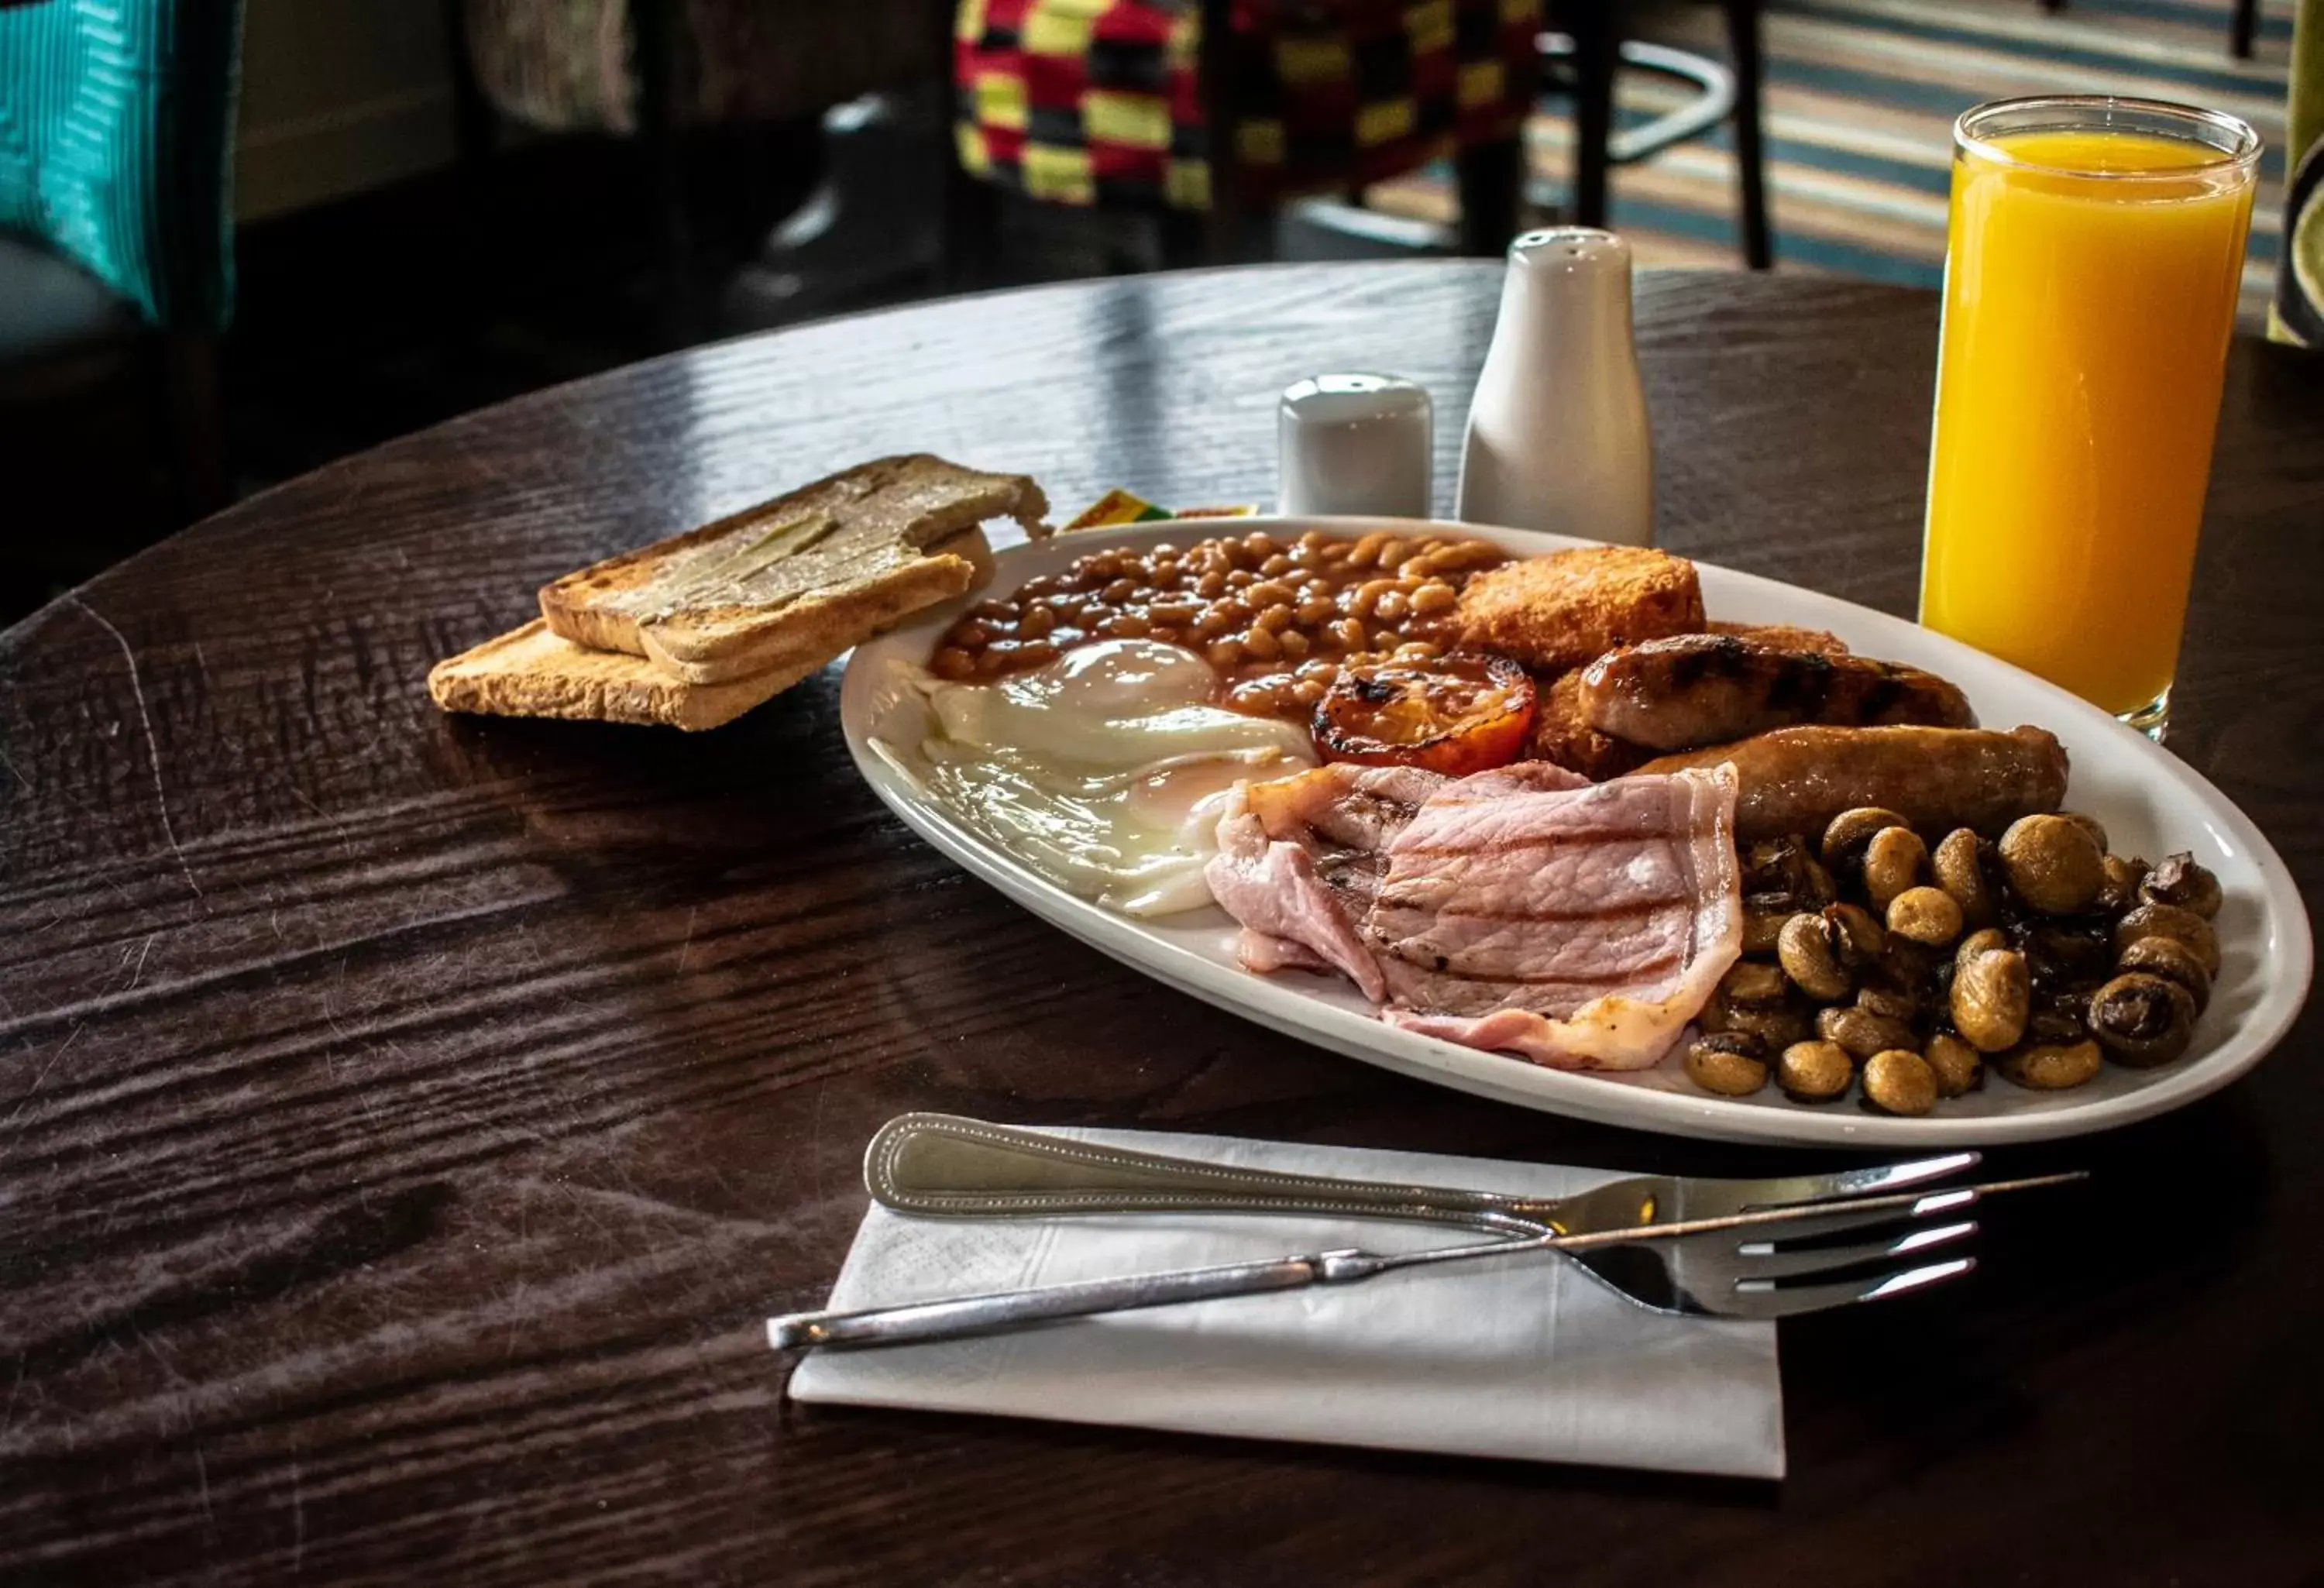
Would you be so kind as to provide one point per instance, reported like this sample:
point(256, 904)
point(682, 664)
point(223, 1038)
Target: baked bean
point(1307, 691)
point(1253, 603)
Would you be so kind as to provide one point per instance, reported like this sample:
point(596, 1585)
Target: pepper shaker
point(1557, 436)
point(1354, 445)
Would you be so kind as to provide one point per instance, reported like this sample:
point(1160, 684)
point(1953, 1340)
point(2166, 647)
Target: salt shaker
point(1557, 430)
point(1354, 444)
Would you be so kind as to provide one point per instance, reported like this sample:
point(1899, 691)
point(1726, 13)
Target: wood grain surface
point(407, 1121)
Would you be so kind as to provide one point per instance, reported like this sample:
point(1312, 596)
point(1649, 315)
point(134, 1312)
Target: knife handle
point(942, 1166)
point(958, 1315)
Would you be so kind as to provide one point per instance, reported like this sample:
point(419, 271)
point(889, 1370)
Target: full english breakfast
point(1546, 806)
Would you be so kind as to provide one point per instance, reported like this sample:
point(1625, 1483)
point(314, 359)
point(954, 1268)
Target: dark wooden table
point(406, 1123)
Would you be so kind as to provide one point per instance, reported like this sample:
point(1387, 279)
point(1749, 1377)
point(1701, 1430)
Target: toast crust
point(530, 671)
point(804, 575)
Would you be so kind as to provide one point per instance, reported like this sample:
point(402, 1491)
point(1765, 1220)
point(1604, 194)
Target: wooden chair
point(1594, 50)
point(1236, 222)
point(770, 67)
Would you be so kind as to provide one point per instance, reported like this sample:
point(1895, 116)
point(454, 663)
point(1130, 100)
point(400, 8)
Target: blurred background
point(239, 238)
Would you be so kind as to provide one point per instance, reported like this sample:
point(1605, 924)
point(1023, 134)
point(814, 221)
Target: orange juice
point(2090, 285)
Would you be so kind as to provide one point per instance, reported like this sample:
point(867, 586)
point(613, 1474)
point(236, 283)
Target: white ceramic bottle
point(1557, 430)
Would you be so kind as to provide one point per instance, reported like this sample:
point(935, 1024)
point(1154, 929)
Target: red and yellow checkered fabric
point(1097, 101)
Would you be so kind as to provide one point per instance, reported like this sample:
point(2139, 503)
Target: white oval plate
point(2149, 802)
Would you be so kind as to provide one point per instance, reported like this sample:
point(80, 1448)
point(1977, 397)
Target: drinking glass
point(2092, 266)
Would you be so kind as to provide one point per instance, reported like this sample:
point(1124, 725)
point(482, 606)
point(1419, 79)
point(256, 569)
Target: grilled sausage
point(1693, 689)
point(1796, 779)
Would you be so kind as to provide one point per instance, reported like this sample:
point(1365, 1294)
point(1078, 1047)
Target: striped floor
point(1860, 100)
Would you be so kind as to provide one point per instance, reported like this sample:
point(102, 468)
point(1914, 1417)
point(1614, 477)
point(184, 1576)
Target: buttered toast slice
point(532, 672)
point(795, 581)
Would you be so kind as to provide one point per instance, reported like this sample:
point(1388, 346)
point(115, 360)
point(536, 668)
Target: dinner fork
point(1706, 1271)
point(944, 1166)
point(933, 1164)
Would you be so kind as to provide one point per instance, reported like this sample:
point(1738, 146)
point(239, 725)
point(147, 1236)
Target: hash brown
point(1559, 612)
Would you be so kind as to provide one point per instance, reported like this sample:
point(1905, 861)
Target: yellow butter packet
point(1118, 507)
point(1115, 507)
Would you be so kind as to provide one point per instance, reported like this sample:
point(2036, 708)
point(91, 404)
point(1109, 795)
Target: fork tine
point(1737, 1195)
point(1768, 1263)
point(1766, 1301)
point(1842, 1219)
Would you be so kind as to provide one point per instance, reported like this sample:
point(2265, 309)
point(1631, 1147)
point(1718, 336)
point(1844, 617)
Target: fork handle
point(976, 1315)
point(934, 1165)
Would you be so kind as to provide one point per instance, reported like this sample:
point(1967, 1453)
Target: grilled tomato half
point(1460, 713)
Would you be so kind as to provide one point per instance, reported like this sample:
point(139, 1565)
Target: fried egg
point(1104, 771)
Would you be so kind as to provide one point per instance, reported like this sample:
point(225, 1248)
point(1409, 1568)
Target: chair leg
point(653, 34)
point(1597, 44)
point(2247, 28)
point(1229, 224)
point(472, 113)
point(195, 420)
point(1491, 181)
point(972, 231)
point(1750, 151)
point(972, 206)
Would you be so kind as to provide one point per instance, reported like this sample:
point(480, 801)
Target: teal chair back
point(116, 124)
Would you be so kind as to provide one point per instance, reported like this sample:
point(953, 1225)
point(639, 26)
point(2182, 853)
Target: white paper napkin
point(1526, 1357)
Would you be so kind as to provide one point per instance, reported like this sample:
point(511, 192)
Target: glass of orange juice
point(2091, 272)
